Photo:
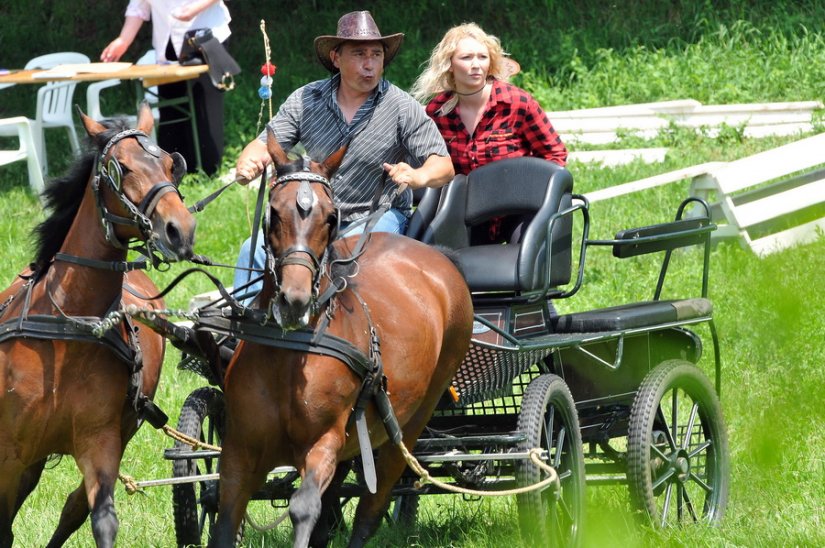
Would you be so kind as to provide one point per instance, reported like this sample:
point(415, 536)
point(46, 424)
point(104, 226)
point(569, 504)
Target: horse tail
point(453, 256)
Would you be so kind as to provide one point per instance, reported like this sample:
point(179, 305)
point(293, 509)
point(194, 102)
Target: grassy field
point(768, 313)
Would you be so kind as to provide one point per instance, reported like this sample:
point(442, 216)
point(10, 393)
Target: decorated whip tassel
point(268, 71)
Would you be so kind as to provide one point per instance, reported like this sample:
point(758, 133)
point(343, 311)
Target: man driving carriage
point(389, 135)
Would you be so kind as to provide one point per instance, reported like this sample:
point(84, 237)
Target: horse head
point(302, 223)
point(136, 187)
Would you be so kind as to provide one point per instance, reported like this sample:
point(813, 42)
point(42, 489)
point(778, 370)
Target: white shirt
point(166, 27)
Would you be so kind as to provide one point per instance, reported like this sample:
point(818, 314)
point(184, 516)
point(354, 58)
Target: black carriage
point(606, 395)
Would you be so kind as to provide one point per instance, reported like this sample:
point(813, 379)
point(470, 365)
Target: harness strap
point(150, 201)
point(44, 327)
point(116, 266)
point(302, 340)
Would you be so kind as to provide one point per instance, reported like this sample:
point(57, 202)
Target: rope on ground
point(188, 440)
point(264, 528)
point(535, 457)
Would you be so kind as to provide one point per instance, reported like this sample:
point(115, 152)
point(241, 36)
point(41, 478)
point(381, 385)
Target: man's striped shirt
point(389, 127)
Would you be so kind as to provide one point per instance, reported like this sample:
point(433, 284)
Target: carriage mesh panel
point(195, 365)
point(488, 371)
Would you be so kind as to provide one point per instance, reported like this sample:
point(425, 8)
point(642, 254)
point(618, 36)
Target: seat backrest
point(51, 60)
point(54, 100)
point(515, 186)
point(426, 204)
point(149, 58)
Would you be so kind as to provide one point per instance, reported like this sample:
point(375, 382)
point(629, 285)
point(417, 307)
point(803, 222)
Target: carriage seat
point(632, 316)
point(531, 187)
point(426, 203)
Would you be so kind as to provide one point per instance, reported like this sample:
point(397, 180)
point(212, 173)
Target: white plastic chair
point(26, 151)
point(93, 92)
point(54, 104)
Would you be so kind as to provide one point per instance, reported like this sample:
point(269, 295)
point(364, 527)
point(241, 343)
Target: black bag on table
point(201, 47)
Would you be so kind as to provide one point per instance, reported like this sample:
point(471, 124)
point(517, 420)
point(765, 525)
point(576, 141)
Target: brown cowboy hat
point(356, 26)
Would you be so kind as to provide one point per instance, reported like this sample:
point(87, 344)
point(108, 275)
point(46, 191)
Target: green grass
point(768, 311)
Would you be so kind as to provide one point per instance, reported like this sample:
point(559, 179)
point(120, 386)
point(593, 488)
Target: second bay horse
point(65, 389)
point(403, 300)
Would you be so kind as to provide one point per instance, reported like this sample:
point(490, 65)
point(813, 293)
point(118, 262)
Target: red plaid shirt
point(513, 125)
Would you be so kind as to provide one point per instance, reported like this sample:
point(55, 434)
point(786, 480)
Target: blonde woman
point(481, 116)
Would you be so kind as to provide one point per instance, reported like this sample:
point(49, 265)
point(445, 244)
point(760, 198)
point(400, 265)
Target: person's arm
point(117, 47)
point(541, 136)
point(193, 9)
point(435, 172)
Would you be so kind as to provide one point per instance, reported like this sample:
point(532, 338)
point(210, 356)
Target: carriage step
point(460, 456)
point(187, 454)
point(425, 444)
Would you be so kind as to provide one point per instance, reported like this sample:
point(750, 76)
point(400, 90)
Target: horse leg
point(29, 480)
point(9, 488)
point(305, 504)
point(331, 519)
point(238, 482)
point(74, 513)
point(99, 463)
point(389, 466)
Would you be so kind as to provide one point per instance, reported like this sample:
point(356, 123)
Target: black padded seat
point(530, 187)
point(632, 316)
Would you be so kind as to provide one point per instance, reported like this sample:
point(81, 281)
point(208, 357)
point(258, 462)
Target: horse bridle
point(111, 173)
point(304, 199)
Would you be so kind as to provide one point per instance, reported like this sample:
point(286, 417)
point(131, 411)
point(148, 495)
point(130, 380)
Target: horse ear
point(145, 121)
point(274, 148)
point(91, 126)
point(333, 162)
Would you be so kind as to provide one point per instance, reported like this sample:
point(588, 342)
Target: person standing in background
point(170, 21)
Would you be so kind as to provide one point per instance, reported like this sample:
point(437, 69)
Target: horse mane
point(294, 166)
point(63, 195)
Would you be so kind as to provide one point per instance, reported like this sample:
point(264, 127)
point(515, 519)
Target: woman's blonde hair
point(437, 77)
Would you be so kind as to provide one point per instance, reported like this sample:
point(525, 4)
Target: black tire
point(549, 420)
point(195, 504)
point(678, 464)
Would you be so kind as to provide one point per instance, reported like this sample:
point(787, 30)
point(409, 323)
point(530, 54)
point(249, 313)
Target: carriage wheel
point(549, 421)
point(677, 447)
point(404, 511)
point(195, 505)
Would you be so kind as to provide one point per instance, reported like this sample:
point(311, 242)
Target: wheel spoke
point(666, 505)
point(691, 422)
point(674, 413)
point(663, 478)
point(701, 448)
point(659, 452)
point(661, 417)
point(549, 423)
point(689, 505)
point(559, 448)
point(701, 483)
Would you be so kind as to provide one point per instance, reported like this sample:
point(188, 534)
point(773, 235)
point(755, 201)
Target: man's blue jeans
point(392, 221)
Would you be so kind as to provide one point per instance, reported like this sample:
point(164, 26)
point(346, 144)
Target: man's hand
point(404, 174)
point(436, 171)
point(252, 162)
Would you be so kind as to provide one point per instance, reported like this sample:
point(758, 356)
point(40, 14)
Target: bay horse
point(64, 389)
point(291, 407)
